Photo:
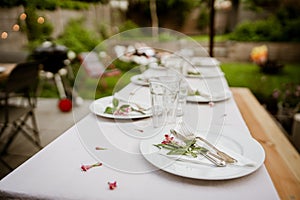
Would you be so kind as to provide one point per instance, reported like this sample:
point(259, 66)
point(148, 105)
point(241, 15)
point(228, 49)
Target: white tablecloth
point(54, 172)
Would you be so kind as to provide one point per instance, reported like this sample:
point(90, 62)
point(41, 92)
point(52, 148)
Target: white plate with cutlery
point(99, 106)
point(203, 97)
point(191, 71)
point(241, 147)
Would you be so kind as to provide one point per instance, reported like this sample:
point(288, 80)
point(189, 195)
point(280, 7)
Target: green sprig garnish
point(194, 93)
point(193, 73)
point(186, 147)
point(124, 109)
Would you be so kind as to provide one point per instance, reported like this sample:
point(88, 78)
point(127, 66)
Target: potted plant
point(288, 103)
point(259, 55)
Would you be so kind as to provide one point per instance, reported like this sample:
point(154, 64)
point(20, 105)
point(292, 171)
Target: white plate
point(158, 67)
point(98, 107)
point(204, 72)
point(2, 69)
point(241, 145)
point(204, 61)
point(139, 80)
point(202, 75)
point(221, 97)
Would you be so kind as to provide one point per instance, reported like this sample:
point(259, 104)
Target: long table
point(55, 173)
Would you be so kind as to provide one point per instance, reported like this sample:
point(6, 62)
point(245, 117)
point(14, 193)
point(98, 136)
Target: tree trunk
point(212, 28)
point(233, 15)
point(154, 18)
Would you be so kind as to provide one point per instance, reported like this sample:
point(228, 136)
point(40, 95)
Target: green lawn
point(262, 85)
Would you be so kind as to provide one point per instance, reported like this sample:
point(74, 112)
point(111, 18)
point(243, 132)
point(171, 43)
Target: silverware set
point(216, 156)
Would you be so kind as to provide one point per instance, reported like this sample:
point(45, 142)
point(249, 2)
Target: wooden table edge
point(282, 159)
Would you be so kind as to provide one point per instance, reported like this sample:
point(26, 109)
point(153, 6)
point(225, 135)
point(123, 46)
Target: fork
point(227, 158)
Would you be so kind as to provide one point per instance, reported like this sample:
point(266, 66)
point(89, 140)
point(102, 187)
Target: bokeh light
point(23, 16)
point(4, 35)
point(16, 27)
point(41, 20)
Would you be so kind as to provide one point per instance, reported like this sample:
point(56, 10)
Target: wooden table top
point(282, 159)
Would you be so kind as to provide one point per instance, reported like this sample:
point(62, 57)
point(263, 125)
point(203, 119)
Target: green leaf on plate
point(180, 151)
point(124, 107)
point(109, 110)
point(115, 102)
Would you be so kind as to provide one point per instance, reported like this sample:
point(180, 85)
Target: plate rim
point(115, 116)
point(221, 74)
point(245, 172)
point(134, 80)
point(228, 95)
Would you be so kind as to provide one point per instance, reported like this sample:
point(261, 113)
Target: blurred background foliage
point(283, 25)
point(283, 18)
point(77, 38)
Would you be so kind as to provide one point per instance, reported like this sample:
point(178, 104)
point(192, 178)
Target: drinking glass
point(182, 94)
point(164, 99)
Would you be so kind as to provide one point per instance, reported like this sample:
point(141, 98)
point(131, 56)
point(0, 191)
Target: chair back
point(23, 77)
point(21, 83)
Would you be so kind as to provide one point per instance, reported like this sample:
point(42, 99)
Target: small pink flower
point(87, 167)
point(211, 104)
point(139, 130)
point(128, 109)
point(120, 112)
point(112, 185)
point(276, 94)
point(168, 139)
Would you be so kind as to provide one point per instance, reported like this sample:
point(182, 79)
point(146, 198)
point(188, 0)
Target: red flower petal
point(85, 167)
point(113, 185)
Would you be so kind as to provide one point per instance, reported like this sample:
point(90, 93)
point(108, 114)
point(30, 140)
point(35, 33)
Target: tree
point(169, 12)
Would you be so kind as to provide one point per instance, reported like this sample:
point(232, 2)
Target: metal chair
point(22, 82)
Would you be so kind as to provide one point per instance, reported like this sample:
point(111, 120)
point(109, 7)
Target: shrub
point(35, 32)
point(261, 30)
point(127, 25)
point(283, 25)
point(203, 19)
point(292, 30)
point(77, 38)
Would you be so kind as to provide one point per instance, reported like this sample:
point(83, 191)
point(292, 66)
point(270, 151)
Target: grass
point(262, 85)
point(205, 38)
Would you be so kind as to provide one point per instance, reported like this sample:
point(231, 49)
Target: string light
point(23, 16)
point(16, 27)
point(41, 20)
point(4, 35)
